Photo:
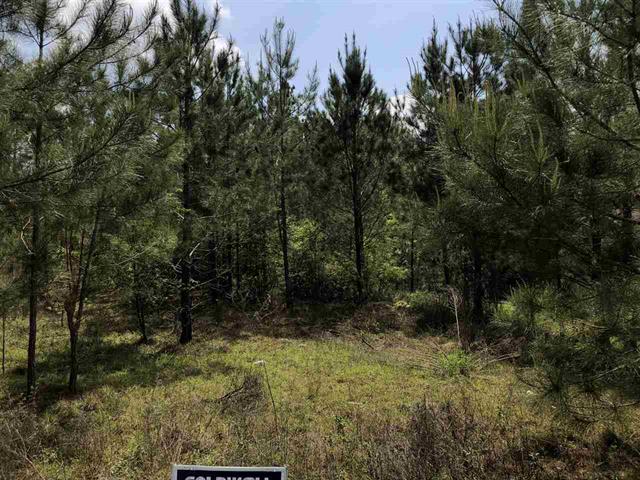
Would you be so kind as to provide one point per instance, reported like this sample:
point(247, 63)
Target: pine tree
point(459, 68)
point(41, 92)
point(186, 50)
point(40, 21)
point(358, 117)
point(577, 65)
point(227, 114)
point(281, 109)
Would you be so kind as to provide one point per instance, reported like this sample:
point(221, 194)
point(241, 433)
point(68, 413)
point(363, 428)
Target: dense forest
point(148, 170)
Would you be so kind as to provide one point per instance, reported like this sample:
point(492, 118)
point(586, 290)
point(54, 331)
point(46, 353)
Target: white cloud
point(222, 43)
point(139, 7)
point(225, 13)
point(401, 104)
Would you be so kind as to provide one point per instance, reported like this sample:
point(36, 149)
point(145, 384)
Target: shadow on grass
point(105, 362)
point(303, 321)
point(299, 322)
point(110, 355)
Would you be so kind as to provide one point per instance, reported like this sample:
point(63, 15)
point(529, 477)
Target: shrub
point(431, 309)
point(582, 344)
point(448, 441)
point(376, 318)
point(521, 314)
point(455, 363)
point(457, 441)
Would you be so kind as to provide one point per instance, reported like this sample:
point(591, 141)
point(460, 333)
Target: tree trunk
point(73, 356)
point(70, 309)
point(445, 264)
point(186, 333)
point(228, 284)
point(596, 251)
point(478, 290)
point(263, 270)
point(284, 242)
point(627, 239)
point(237, 255)
point(4, 339)
point(74, 319)
point(359, 239)
point(140, 313)
point(412, 256)
point(358, 231)
point(35, 269)
point(139, 303)
point(35, 266)
point(33, 311)
point(213, 274)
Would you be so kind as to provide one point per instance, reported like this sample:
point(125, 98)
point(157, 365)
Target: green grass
point(337, 396)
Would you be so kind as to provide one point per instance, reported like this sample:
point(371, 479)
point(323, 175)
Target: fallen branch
point(500, 359)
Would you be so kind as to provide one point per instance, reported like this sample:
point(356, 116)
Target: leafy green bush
point(455, 363)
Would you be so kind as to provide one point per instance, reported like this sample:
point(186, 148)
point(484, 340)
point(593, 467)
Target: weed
point(455, 363)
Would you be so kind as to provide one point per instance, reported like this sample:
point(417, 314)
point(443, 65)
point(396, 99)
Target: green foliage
point(358, 131)
point(581, 343)
point(587, 357)
point(525, 311)
point(455, 363)
point(281, 112)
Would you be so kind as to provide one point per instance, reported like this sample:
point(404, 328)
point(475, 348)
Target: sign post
point(199, 472)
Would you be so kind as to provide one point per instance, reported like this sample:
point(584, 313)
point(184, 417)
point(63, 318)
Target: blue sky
point(391, 30)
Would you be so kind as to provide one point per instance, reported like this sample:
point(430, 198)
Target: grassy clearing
point(350, 403)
